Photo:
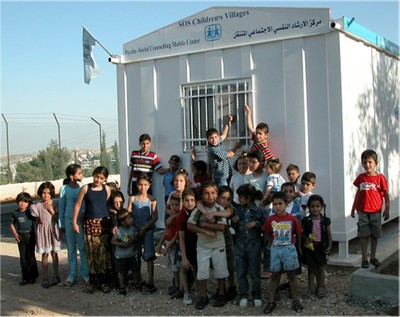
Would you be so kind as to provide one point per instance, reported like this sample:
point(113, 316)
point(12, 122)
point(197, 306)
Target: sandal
point(56, 280)
point(269, 308)
point(375, 262)
point(297, 307)
point(46, 284)
point(321, 292)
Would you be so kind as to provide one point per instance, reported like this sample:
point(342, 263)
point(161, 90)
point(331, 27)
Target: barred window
point(207, 105)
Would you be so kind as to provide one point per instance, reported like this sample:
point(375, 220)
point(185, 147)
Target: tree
point(49, 164)
point(115, 158)
point(105, 159)
point(5, 175)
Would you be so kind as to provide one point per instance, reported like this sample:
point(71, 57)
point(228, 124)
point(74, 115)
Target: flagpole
point(101, 45)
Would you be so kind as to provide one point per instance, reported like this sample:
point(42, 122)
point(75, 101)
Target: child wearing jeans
point(247, 221)
point(372, 192)
point(283, 228)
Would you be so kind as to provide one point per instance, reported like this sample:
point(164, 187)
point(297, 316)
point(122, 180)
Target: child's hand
point(249, 225)
point(230, 119)
point(48, 205)
point(210, 218)
point(17, 237)
point(327, 250)
point(235, 219)
point(211, 234)
point(352, 214)
point(114, 230)
point(185, 264)
point(163, 252)
point(124, 244)
point(75, 227)
point(247, 109)
point(193, 152)
point(386, 214)
point(238, 145)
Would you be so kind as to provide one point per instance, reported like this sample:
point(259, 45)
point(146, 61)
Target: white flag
point(90, 68)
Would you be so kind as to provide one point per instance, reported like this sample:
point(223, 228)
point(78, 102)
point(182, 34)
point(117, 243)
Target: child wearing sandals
point(124, 239)
point(47, 232)
point(282, 229)
point(97, 229)
point(318, 243)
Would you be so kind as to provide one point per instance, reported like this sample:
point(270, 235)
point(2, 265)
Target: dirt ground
point(35, 300)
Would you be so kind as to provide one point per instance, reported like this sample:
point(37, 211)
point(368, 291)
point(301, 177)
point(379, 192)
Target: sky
point(43, 95)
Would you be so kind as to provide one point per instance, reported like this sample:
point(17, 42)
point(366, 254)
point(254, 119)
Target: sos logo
point(182, 24)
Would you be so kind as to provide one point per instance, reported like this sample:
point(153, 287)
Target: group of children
point(214, 221)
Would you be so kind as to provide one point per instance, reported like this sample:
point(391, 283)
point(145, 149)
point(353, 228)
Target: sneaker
point(365, 264)
point(243, 303)
point(201, 303)
point(231, 293)
point(219, 301)
point(177, 294)
point(187, 299)
point(23, 282)
point(257, 303)
point(68, 284)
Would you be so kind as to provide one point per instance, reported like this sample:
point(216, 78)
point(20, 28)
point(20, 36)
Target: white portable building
point(327, 89)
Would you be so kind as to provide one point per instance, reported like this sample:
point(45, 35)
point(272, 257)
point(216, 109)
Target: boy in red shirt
point(283, 229)
point(368, 201)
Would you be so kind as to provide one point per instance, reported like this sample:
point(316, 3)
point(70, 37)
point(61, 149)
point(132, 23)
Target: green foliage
point(49, 164)
point(5, 175)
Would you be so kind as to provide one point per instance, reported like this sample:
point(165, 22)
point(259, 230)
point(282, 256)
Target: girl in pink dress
point(47, 232)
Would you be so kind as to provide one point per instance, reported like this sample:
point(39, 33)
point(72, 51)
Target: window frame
point(207, 105)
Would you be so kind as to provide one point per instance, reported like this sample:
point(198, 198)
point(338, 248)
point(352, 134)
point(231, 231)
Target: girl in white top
point(241, 167)
point(257, 177)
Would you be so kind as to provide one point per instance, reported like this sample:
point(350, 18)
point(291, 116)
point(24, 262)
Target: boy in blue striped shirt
point(218, 156)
